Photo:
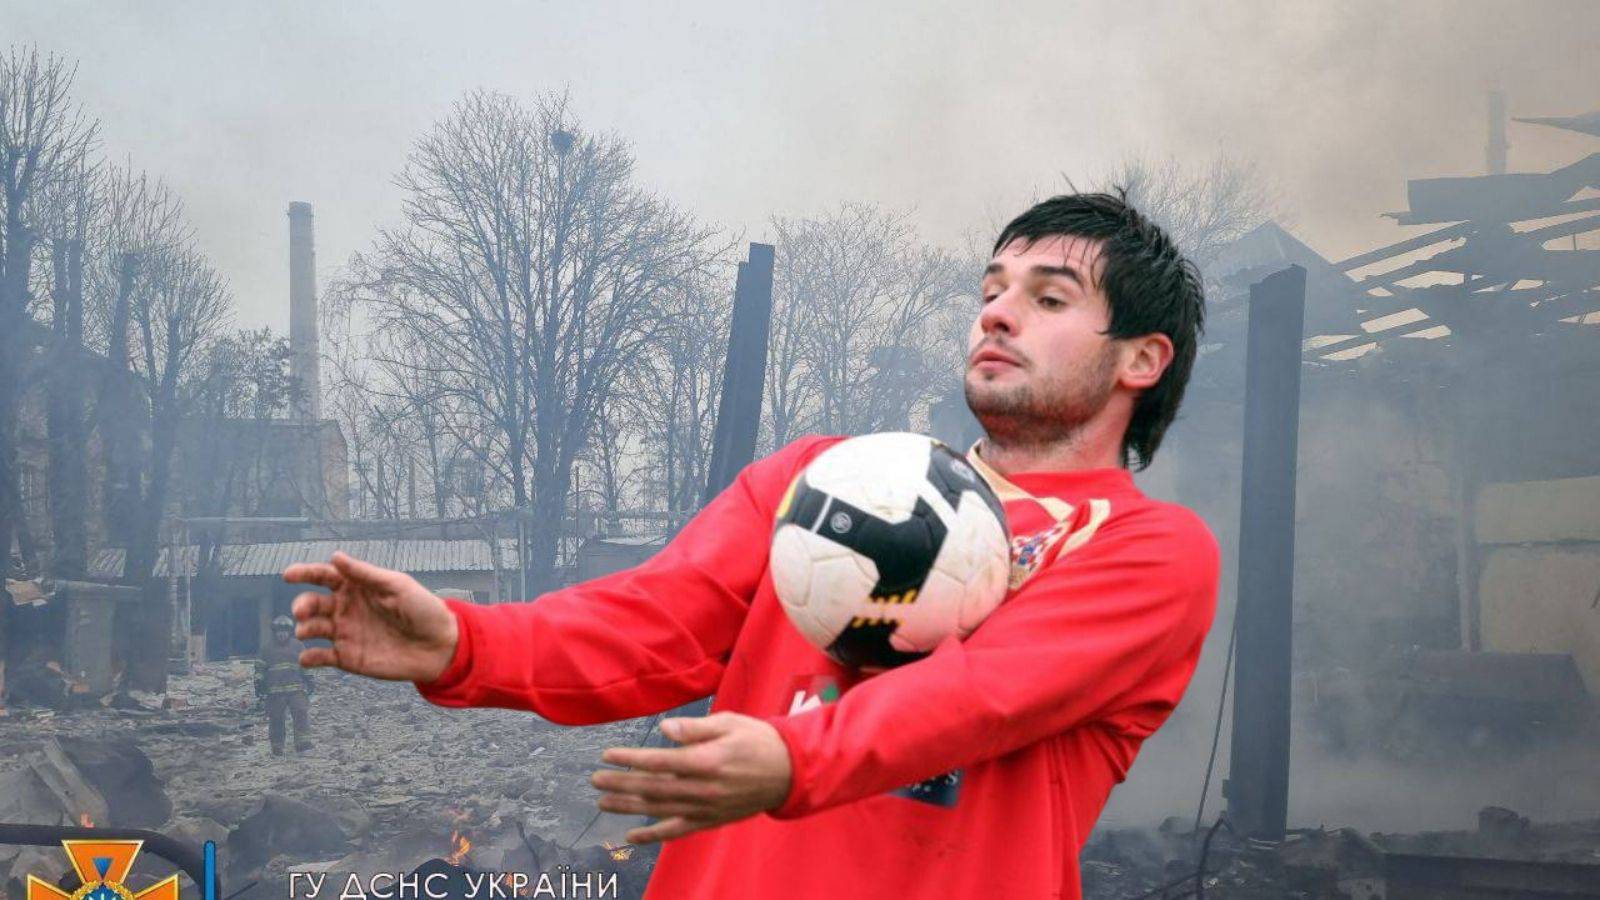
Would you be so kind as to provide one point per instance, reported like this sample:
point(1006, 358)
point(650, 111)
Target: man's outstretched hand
point(382, 623)
point(728, 767)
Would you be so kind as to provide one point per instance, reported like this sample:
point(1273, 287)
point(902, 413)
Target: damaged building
point(288, 468)
point(249, 497)
point(1445, 567)
point(1446, 475)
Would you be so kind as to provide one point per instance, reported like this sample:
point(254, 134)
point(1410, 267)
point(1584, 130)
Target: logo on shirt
point(1028, 552)
point(812, 691)
point(1031, 551)
point(809, 692)
point(940, 790)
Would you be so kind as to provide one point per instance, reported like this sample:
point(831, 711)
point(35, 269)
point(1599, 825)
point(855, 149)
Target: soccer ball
point(885, 545)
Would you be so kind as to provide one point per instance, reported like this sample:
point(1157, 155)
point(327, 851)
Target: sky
point(960, 113)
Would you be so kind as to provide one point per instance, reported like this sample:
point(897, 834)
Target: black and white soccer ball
point(885, 545)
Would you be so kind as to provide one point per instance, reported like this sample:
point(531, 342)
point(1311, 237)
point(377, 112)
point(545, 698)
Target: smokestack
point(1495, 150)
point(303, 312)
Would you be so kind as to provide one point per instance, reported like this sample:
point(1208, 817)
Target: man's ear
point(1144, 360)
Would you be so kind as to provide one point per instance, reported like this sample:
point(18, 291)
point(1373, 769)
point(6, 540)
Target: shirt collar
point(1069, 485)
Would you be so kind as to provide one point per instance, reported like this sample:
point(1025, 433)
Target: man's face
point(1039, 364)
point(281, 635)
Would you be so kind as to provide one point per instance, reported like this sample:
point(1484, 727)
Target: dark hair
point(1151, 286)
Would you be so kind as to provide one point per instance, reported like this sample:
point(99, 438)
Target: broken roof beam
point(1500, 198)
point(1460, 230)
point(1587, 123)
point(1421, 241)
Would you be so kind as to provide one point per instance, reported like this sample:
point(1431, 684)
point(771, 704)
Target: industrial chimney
point(1495, 150)
point(303, 312)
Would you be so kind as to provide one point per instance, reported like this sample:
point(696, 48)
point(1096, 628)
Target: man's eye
point(1052, 301)
point(988, 297)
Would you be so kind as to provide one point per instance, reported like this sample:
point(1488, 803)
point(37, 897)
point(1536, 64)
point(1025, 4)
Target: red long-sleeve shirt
point(978, 770)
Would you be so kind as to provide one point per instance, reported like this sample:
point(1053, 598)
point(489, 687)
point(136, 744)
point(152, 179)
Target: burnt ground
point(393, 783)
point(403, 780)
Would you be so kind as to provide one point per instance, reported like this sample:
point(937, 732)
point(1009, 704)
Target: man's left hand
point(729, 767)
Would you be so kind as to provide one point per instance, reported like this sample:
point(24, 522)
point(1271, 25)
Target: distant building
point(233, 608)
point(263, 467)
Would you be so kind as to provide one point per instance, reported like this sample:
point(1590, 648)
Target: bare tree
point(1203, 207)
point(67, 217)
point(673, 393)
point(178, 308)
point(178, 311)
point(141, 224)
point(788, 401)
point(386, 437)
point(857, 343)
point(521, 286)
point(396, 411)
point(242, 384)
point(43, 137)
point(614, 454)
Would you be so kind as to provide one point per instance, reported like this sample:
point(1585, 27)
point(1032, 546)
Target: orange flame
point(85, 821)
point(462, 846)
point(619, 852)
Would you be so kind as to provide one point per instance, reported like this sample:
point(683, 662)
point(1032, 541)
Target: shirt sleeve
point(1110, 633)
point(635, 642)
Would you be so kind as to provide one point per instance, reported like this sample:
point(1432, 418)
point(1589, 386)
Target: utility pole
point(744, 374)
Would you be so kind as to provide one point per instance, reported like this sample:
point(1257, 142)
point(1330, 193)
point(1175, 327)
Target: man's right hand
point(381, 623)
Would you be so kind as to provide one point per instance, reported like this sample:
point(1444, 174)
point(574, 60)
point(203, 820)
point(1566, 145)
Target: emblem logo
point(1028, 552)
point(102, 867)
point(812, 691)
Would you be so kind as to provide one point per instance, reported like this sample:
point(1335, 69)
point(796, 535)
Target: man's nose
point(999, 314)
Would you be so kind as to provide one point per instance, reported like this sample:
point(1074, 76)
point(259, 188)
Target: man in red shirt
point(978, 770)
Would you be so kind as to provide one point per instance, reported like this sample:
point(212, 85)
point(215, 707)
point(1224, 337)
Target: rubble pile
point(1504, 834)
point(1344, 864)
point(389, 782)
point(1141, 864)
point(74, 781)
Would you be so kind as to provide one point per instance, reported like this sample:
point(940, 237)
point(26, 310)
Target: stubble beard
point(1033, 414)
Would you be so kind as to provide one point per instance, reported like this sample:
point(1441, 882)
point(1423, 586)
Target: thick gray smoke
point(742, 111)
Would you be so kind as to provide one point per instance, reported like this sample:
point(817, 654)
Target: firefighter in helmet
point(285, 686)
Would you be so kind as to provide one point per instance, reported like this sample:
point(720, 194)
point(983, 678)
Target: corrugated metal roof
point(413, 555)
point(632, 540)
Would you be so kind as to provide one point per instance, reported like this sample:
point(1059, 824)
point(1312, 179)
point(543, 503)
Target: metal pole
point(186, 588)
point(178, 639)
point(1257, 788)
point(744, 373)
point(522, 556)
